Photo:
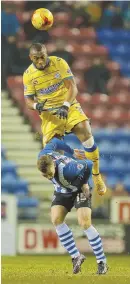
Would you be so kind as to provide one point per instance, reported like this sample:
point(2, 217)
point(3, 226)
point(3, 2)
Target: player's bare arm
point(31, 104)
point(70, 84)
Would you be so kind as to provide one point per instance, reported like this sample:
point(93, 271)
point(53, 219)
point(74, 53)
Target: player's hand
point(62, 112)
point(39, 106)
point(79, 154)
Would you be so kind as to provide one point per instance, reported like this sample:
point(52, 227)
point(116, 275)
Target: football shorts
point(52, 125)
point(70, 200)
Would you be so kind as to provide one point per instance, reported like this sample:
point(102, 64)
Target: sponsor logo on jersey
point(57, 75)
point(79, 166)
point(35, 82)
point(50, 89)
point(68, 71)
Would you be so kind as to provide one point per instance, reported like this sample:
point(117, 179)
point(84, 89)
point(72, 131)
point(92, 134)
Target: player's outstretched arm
point(56, 145)
point(29, 102)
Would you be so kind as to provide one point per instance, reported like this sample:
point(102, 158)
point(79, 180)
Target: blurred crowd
point(18, 34)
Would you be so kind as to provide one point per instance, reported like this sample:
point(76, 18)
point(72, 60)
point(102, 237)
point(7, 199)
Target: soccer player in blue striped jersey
point(70, 178)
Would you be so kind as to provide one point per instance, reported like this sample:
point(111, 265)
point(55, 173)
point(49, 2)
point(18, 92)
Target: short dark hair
point(37, 46)
point(44, 162)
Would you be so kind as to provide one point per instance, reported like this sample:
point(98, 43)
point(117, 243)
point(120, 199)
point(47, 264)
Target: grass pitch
point(58, 270)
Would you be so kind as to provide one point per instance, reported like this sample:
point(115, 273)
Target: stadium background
point(94, 38)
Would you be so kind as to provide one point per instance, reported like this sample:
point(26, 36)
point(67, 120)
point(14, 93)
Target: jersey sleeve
point(54, 145)
point(64, 68)
point(29, 90)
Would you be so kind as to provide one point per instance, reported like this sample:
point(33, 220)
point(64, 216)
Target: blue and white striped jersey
point(70, 173)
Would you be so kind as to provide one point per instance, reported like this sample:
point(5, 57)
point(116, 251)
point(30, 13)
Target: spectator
point(120, 190)
point(10, 28)
point(61, 52)
point(94, 9)
point(34, 5)
point(97, 77)
point(117, 20)
point(55, 7)
point(9, 23)
point(80, 16)
point(107, 16)
point(4, 60)
point(35, 35)
point(126, 18)
point(122, 4)
point(112, 17)
point(18, 59)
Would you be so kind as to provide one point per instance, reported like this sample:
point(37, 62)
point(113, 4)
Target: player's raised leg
point(83, 131)
point(84, 219)
point(65, 235)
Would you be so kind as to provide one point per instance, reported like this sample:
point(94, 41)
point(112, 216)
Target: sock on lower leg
point(92, 153)
point(66, 237)
point(95, 243)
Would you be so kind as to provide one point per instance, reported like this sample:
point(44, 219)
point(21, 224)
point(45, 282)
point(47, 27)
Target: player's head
point(38, 55)
point(46, 165)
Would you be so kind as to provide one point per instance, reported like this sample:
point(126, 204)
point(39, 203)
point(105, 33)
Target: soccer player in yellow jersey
point(49, 83)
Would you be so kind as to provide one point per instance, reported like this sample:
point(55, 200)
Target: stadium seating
point(14, 186)
point(8, 167)
point(62, 18)
point(3, 153)
point(126, 182)
point(118, 44)
point(28, 208)
point(113, 35)
point(15, 87)
point(11, 183)
point(114, 154)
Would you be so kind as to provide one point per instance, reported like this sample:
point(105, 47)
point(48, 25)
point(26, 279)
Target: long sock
point(92, 153)
point(66, 237)
point(95, 243)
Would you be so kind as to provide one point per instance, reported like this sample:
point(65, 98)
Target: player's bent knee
point(83, 130)
point(58, 214)
point(85, 223)
point(57, 220)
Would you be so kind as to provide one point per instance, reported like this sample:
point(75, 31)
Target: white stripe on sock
point(100, 256)
point(98, 251)
point(65, 237)
point(64, 229)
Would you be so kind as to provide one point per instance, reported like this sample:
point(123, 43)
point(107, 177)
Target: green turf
point(58, 270)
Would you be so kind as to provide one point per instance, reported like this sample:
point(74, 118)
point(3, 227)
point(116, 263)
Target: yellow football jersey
point(48, 83)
